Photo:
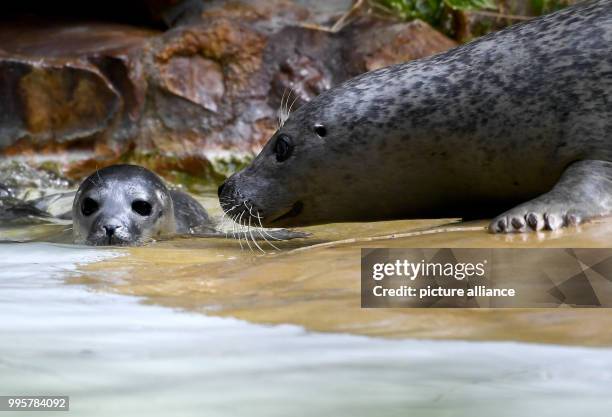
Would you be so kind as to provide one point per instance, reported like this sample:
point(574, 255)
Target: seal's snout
point(110, 229)
point(237, 206)
point(227, 189)
point(229, 195)
point(110, 232)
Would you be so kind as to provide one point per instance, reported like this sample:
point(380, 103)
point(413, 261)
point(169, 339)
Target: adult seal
point(520, 118)
point(129, 205)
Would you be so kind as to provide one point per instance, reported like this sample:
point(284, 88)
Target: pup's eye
point(141, 207)
point(283, 148)
point(89, 206)
point(320, 130)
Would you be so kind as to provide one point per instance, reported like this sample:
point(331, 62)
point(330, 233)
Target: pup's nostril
point(220, 189)
point(110, 229)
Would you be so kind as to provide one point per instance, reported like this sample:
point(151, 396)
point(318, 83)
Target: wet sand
point(316, 284)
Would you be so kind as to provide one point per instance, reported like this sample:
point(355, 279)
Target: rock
point(13, 210)
point(205, 91)
point(196, 79)
point(401, 42)
point(246, 62)
point(23, 182)
point(67, 83)
point(5, 191)
point(52, 103)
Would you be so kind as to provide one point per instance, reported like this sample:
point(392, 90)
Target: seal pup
point(130, 205)
point(519, 118)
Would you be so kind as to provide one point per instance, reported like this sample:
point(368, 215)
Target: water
point(115, 355)
point(199, 327)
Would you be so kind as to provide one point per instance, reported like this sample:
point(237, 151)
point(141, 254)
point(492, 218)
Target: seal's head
point(312, 169)
point(122, 205)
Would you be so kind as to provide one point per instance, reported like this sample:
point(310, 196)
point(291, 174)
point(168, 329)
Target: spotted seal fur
point(520, 118)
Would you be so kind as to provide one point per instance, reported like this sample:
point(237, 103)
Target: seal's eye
point(283, 148)
point(89, 206)
point(142, 207)
point(320, 130)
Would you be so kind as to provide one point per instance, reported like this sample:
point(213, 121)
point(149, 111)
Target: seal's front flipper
point(283, 234)
point(584, 192)
point(189, 215)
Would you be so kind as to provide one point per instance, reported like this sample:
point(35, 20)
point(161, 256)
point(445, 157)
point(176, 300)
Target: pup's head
point(122, 205)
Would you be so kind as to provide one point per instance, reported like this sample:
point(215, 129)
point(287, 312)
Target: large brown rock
point(61, 84)
point(201, 91)
point(216, 85)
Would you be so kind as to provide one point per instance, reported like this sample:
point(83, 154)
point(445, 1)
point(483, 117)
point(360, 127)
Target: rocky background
point(191, 88)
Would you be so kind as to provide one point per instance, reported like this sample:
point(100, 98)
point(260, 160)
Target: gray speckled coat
point(480, 128)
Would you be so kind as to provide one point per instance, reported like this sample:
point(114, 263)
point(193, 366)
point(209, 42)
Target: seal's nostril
point(110, 229)
point(220, 189)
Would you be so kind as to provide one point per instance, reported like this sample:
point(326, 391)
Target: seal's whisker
point(221, 226)
point(246, 239)
point(250, 230)
point(260, 229)
point(292, 103)
point(91, 178)
point(264, 229)
point(239, 231)
point(234, 231)
point(239, 234)
point(280, 109)
point(233, 227)
point(285, 108)
point(264, 238)
point(263, 234)
point(98, 174)
point(243, 231)
point(225, 216)
point(269, 235)
point(236, 227)
point(228, 211)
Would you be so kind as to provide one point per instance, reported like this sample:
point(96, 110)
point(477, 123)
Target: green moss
point(52, 166)
point(431, 11)
point(448, 17)
point(196, 174)
point(548, 6)
point(228, 166)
